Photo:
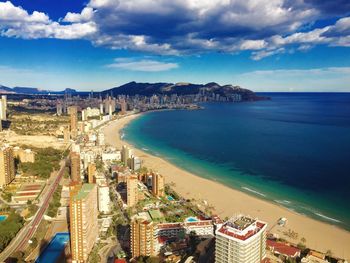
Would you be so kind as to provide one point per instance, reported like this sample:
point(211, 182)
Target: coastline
point(228, 201)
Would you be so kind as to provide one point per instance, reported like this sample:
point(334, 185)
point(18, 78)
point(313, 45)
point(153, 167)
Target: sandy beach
point(228, 201)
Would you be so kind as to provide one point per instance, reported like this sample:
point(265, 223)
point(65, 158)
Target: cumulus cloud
point(265, 27)
point(17, 22)
point(146, 65)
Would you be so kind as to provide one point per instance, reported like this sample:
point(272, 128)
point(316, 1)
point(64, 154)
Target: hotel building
point(7, 165)
point(143, 238)
point(157, 185)
point(83, 220)
point(75, 166)
point(241, 239)
point(132, 191)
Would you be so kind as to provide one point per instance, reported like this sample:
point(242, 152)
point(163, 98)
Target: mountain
point(5, 90)
point(182, 88)
point(33, 91)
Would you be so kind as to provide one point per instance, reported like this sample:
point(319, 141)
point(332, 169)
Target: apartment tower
point(157, 185)
point(7, 165)
point(91, 173)
point(83, 220)
point(132, 191)
point(143, 238)
point(73, 110)
point(75, 166)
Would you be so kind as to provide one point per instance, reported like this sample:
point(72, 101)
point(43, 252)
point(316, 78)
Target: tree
point(303, 240)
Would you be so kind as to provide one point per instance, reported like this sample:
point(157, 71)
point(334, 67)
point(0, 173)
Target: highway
point(20, 242)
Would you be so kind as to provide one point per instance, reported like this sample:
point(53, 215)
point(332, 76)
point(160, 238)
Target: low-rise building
point(103, 199)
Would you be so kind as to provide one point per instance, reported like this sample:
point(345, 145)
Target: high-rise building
point(83, 220)
point(91, 173)
point(157, 184)
point(101, 109)
point(59, 108)
point(84, 115)
point(123, 106)
point(7, 165)
point(132, 191)
point(126, 154)
point(3, 107)
point(241, 239)
point(135, 163)
point(73, 110)
point(75, 166)
point(143, 238)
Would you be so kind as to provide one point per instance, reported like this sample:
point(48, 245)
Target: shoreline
point(229, 201)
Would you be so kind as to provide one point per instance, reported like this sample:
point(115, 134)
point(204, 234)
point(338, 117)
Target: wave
point(122, 136)
point(327, 218)
point(145, 149)
point(254, 191)
point(283, 202)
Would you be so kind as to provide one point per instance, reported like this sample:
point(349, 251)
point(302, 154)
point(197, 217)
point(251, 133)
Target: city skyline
point(262, 46)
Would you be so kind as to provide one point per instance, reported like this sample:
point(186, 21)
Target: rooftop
point(241, 227)
point(84, 191)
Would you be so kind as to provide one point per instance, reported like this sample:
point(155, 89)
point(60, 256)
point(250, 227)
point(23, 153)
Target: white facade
point(3, 107)
point(103, 199)
point(112, 156)
point(241, 239)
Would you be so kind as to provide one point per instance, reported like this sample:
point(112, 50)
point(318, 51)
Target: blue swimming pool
point(2, 218)
point(170, 198)
point(191, 219)
point(54, 249)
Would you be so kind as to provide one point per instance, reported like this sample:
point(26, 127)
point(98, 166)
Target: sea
point(293, 150)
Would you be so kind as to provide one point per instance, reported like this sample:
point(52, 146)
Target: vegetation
point(9, 228)
point(7, 196)
point(27, 122)
point(94, 257)
point(55, 202)
point(46, 161)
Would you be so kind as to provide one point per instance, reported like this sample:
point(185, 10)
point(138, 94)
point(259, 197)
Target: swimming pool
point(54, 249)
point(191, 219)
point(2, 218)
point(170, 198)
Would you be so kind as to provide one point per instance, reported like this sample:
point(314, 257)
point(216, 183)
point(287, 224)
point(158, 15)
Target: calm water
point(294, 149)
point(55, 248)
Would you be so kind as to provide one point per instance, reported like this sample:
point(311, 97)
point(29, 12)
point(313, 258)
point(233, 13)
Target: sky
point(262, 45)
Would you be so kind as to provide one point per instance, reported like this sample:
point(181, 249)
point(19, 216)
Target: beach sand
point(228, 201)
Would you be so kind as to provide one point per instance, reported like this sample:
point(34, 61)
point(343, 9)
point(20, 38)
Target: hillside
point(148, 89)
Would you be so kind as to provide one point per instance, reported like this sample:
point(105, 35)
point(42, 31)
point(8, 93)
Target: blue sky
point(265, 45)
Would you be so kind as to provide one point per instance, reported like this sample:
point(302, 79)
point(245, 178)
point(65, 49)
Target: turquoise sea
point(293, 150)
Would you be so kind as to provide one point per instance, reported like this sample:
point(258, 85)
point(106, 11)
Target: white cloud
point(85, 15)
point(265, 27)
point(146, 65)
point(10, 14)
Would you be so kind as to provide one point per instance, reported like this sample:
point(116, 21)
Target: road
point(20, 242)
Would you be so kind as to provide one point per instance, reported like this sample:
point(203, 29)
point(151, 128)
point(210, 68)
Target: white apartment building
point(241, 239)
